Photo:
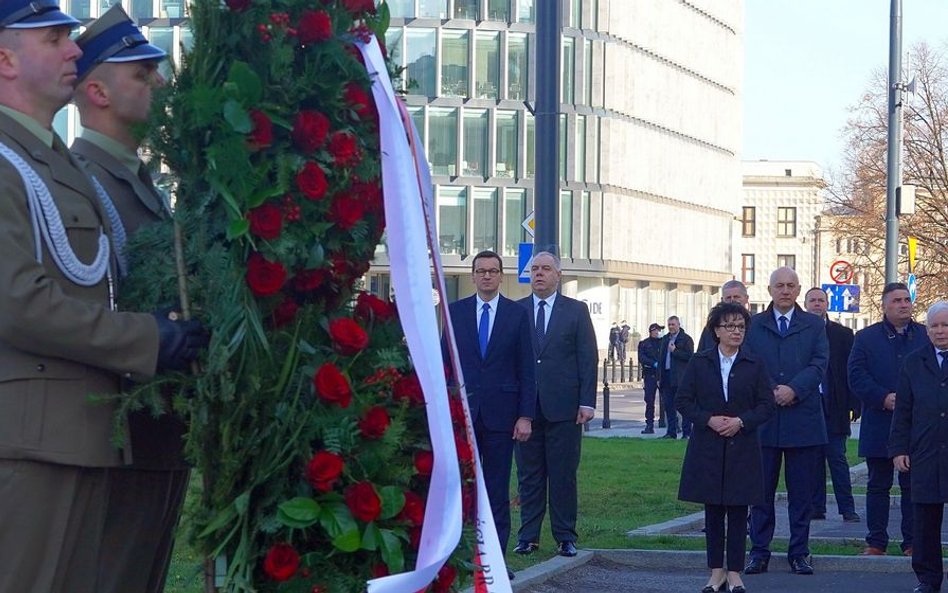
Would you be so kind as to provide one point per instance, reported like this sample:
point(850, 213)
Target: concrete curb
point(671, 559)
point(540, 573)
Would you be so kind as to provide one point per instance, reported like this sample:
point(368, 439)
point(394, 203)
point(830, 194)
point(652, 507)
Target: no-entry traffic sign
point(841, 271)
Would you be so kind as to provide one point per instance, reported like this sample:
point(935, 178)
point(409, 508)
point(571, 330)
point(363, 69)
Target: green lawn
point(623, 484)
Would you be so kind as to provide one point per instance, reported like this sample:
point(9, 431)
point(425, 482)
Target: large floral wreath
point(307, 424)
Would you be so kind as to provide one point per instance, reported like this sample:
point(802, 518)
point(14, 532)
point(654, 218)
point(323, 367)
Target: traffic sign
point(524, 257)
point(843, 298)
point(529, 224)
point(841, 271)
point(912, 286)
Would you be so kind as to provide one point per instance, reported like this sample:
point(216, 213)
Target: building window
point(515, 211)
point(531, 145)
point(404, 9)
point(452, 220)
point(476, 122)
point(576, 13)
point(785, 260)
point(517, 66)
point(747, 268)
point(579, 165)
point(569, 69)
point(418, 118)
point(749, 221)
point(485, 219)
point(585, 206)
point(393, 45)
point(506, 165)
point(466, 9)
point(487, 64)
point(141, 9)
point(525, 11)
point(80, 9)
point(433, 8)
point(454, 62)
point(587, 72)
point(443, 140)
point(420, 61)
point(566, 224)
point(787, 222)
point(563, 136)
point(592, 174)
point(163, 37)
point(593, 22)
point(498, 10)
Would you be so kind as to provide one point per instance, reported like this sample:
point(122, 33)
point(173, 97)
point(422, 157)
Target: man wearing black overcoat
point(673, 356)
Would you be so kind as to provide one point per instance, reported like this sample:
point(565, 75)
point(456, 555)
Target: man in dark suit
point(793, 345)
point(649, 350)
point(567, 357)
point(60, 338)
point(673, 356)
point(113, 96)
point(496, 351)
point(840, 409)
point(874, 366)
point(918, 443)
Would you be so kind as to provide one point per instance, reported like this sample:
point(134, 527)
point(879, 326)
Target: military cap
point(113, 38)
point(35, 14)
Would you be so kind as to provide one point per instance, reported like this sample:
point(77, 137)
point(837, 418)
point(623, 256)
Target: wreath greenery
point(307, 424)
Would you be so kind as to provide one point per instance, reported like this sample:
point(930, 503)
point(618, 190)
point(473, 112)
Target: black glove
point(179, 342)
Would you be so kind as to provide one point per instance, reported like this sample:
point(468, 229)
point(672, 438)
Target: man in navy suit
point(567, 358)
point(496, 351)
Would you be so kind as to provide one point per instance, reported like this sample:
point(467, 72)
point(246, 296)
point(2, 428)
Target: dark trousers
point(651, 386)
point(668, 402)
point(496, 451)
point(714, 515)
point(877, 503)
point(834, 454)
point(620, 348)
point(546, 466)
point(801, 465)
point(926, 552)
point(612, 351)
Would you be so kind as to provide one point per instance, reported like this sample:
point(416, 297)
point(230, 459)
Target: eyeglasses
point(732, 327)
point(487, 271)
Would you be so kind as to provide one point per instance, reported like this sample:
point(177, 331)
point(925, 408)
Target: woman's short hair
point(722, 311)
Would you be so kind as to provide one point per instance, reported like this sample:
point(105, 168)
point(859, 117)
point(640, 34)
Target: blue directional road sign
point(843, 298)
point(524, 257)
point(912, 286)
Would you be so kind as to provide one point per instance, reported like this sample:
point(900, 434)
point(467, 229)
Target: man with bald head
point(793, 344)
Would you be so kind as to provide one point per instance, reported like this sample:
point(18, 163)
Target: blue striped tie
point(783, 325)
point(483, 329)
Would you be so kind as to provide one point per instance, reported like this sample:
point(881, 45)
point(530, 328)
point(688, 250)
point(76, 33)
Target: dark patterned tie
point(944, 365)
point(783, 325)
point(541, 321)
point(483, 329)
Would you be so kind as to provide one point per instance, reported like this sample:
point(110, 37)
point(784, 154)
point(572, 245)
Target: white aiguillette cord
point(48, 227)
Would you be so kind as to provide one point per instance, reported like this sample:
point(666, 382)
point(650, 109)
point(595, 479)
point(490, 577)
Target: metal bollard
point(606, 423)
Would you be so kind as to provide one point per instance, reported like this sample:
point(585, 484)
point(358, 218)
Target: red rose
point(315, 25)
point(348, 336)
point(414, 509)
point(309, 280)
point(324, 470)
point(369, 306)
point(363, 501)
point(414, 537)
point(424, 462)
point(360, 102)
point(358, 6)
point(344, 149)
point(408, 388)
point(312, 181)
point(446, 577)
point(375, 422)
point(345, 211)
point(285, 312)
point(262, 134)
point(379, 570)
point(266, 221)
point(281, 562)
point(237, 5)
point(309, 130)
point(264, 277)
point(332, 386)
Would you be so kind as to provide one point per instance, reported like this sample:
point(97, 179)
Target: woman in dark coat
point(726, 393)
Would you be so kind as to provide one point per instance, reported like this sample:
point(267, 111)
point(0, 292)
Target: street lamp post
point(547, 183)
point(893, 168)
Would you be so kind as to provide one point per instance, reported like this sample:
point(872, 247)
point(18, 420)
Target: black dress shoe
point(648, 430)
point(738, 589)
point(670, 436)
point(756, 566)
point(567, 549)
point(818, 517)
point(925, 588)
point(851, 518)
point(526, 548)
point(711, 589)
point(800, 566)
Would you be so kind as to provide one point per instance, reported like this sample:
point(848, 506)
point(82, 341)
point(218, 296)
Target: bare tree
point(860, 195)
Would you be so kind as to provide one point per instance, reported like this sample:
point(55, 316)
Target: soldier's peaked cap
point(35, 14)
point(114, 38)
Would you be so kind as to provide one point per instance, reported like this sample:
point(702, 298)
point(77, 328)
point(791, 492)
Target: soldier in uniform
point(60, 338)
point(117, 73)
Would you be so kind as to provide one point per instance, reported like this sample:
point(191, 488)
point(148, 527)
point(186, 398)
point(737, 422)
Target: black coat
point(719, 470)
point(648, 356)
point(838, 400)
point(920, 425)
point(684, 348)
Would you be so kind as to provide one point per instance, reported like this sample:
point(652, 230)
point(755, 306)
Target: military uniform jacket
point(59, 342)
point(157, 443)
